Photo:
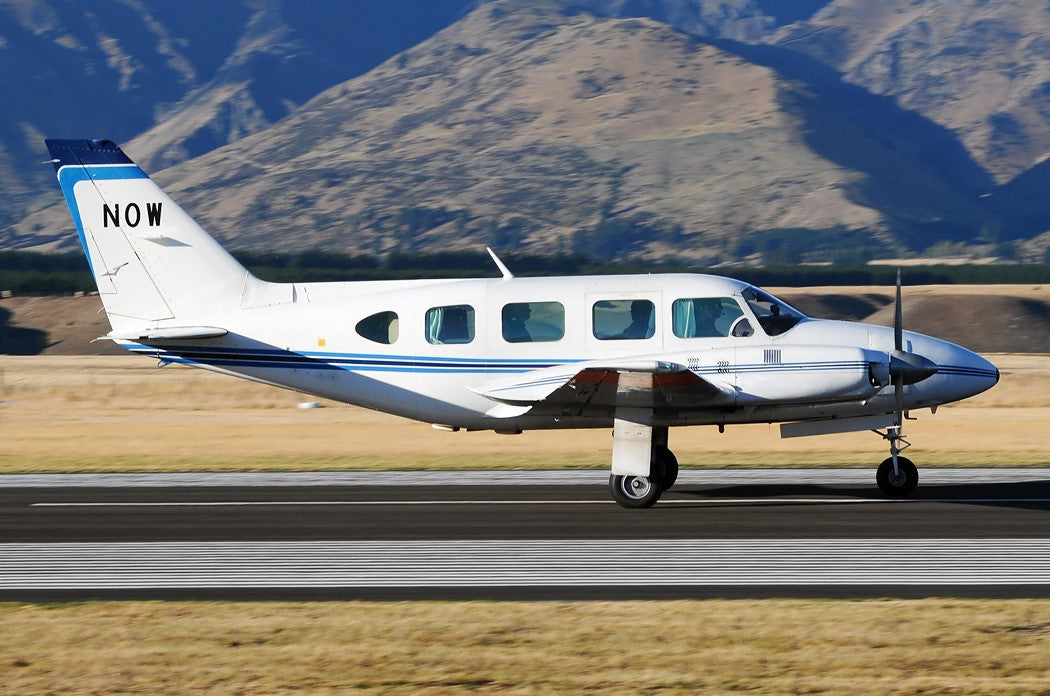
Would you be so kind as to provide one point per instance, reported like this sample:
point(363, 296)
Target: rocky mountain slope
point(710, 129)
point(523, 126)
point(177, 79)
point(981, 69)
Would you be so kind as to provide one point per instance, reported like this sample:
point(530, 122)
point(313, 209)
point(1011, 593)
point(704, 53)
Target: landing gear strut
point(897, 476)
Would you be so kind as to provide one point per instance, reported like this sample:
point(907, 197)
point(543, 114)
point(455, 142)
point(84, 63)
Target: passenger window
point(381, 327)
point(705, 317)
point(452, 324)
point(615, 320)
point(533, 322)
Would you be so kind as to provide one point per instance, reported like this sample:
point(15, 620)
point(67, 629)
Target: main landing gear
point(644, 491)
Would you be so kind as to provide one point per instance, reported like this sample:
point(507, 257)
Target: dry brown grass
point(70, 413)
point(773, 646)
point(63, 413)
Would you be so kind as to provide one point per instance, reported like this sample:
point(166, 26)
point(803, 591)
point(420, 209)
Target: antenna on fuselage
point(507, 275)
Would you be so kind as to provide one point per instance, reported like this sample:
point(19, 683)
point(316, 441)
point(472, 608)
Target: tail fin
point(154, 266)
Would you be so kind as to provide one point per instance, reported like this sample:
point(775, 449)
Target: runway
point(521, 535)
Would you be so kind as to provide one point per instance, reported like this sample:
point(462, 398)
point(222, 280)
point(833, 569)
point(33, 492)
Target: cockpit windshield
point(774, 316)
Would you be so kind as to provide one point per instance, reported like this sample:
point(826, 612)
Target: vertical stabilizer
point(152, 263)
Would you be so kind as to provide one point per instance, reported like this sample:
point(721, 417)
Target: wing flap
point(589, 388)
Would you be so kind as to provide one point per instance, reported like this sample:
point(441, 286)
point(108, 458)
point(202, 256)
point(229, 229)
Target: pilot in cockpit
point(706, 313)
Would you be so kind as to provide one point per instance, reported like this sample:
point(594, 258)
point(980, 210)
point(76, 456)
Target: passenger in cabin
point(454, 326)
point(707, 313)
point(641, 325)
point(514, 318)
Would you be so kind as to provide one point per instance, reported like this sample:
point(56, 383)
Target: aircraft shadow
point(1032, 495)
point(18, 340)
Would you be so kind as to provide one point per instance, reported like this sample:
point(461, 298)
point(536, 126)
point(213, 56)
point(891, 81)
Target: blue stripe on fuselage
point(270, 358)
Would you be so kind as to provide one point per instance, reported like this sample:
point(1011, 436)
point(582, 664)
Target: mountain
point(708, 129)
point(525, 126)
point(739, 20)
point(981, 69)
point(177, 80)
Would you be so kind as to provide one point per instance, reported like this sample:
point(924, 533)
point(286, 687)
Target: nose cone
point(961, 373)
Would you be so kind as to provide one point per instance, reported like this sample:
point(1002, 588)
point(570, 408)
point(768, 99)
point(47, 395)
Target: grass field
point(934, 646)
point(122, 414)
point(78, 413)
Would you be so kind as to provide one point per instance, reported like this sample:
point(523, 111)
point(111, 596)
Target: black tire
point(635, 491)
point(897, 487)
point(665, 459)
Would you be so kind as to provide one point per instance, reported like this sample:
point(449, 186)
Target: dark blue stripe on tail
point(74, 152)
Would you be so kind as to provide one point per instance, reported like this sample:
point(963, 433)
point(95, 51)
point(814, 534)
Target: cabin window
point(533, 322)
point(381, 327)
point(707, 317)
point(452, 324)
point(615, 320)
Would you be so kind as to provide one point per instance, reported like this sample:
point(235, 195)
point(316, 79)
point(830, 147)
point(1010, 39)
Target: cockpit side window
point(452, 324)
point(775, 317)
point(705, 317)
point(381, 327)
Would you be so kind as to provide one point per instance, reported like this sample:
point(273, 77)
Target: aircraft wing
point(596, 388)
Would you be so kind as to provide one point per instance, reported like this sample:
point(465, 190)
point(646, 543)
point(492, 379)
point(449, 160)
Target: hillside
point(152, 74)
point(707, 130)
point(980, 69)
point(527, 128)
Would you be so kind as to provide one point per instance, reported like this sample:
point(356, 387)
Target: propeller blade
point(898, 318)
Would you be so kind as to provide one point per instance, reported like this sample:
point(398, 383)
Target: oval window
point(381, 327)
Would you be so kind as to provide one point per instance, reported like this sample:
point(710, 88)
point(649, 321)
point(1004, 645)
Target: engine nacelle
point(793, 373)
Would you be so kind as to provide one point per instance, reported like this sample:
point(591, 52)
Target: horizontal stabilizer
point(168, 333)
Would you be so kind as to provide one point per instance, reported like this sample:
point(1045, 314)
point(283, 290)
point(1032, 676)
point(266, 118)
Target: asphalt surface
point(527, 535)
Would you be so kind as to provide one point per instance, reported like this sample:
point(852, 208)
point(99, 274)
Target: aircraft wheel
point(665, 459)
point(634, 491)
point(901, 485)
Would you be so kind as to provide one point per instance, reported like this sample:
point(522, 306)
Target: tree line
point(32, 273)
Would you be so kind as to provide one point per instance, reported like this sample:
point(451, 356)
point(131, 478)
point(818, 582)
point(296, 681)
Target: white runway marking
point(720, 477)
point(565, 563)
point(663, 502)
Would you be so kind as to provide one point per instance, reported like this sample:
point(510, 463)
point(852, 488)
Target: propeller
point(905, 367)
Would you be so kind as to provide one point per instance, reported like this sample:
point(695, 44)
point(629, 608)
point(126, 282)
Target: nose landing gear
point(897, 476)
point(899, 482)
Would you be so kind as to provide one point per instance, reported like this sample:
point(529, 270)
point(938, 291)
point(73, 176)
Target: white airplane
point(638, 353)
